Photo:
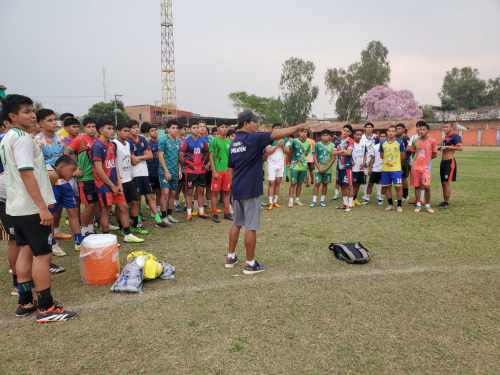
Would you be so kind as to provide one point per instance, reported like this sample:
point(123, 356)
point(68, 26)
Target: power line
point(59, 97)
point(70, 105)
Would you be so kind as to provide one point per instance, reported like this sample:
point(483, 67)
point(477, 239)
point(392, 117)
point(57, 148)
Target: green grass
point(427, 302)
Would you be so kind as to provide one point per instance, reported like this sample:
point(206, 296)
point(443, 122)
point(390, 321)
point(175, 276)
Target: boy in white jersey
point(371, 139)
point(359, 164)
point(275, 167)
point(375, 170)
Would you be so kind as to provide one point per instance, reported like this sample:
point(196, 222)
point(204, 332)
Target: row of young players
point(383, 161)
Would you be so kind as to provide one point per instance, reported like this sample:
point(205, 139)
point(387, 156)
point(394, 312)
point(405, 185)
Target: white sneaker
point(112, 227)
point(167, 222)
point(171, 219)
point(58, 251)
point(132, 238)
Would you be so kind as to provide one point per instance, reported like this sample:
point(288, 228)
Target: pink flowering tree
point(384, 103)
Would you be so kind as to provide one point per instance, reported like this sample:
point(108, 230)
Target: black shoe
point(161, 224)
point(216, 219)
point(56, 269)
point(444, 206)
point(230, 262)
point(254, 269)
point(287, 179)
point(23, 310)
point(54, 314)
point(228, 217)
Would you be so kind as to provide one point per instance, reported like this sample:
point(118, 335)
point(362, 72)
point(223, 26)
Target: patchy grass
point(428, 301)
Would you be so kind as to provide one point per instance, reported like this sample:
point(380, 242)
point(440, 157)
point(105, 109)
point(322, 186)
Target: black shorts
point(375, 178)
point(130, 192)
point(87, 192)
point(208, 178)
point(405, 169)
point(143, 185)
point(358, 178)
point(448, 170)
point(154, 181)
point(193, 180)
point(7, 232)
point(310, 166)
point(29, 232)
point(182, 179)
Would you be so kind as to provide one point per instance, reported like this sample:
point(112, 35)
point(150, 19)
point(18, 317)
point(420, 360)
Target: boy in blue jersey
point(344, 168)
point(392, 152)
point(153, 165)
point(2, 134)
point(448, 168)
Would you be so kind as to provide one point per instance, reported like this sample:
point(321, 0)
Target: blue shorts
point(172, 184)
point(143, 185)
point(389, 178)
point(344, 177)
point(65, 197)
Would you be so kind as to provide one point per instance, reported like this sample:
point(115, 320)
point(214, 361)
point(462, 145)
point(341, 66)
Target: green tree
point(268, 108)
point(347, 86)
point(428, 112)
point(465, 87)
point(297, 90)
point(106, 110)
point(493, 91)
point(38, 106)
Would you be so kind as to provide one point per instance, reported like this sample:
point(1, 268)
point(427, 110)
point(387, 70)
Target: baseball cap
point(248, 115)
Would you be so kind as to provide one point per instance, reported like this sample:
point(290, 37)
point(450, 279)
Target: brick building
point(149, 113)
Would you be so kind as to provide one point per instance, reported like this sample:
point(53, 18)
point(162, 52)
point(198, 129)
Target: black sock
point(405, 193)
point(400, 203)
point(25, 295)
point(14, 281)
point(355, 195)
point(164, 214)
point(45, 300)
point(135, 221)
point(389, 200)
point(169, 211)
point(120, 225)
point(126, 230)
point(105, 232)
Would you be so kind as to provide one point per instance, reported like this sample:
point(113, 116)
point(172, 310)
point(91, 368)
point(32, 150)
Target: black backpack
point(353, 253)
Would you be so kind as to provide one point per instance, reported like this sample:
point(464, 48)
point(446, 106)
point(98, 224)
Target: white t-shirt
point(3, 189)
point(123, 160)
point(378, 162)
point(358, 154)
point(20, 152)
point(277, 158)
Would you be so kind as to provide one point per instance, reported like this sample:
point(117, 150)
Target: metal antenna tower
point(168, 90)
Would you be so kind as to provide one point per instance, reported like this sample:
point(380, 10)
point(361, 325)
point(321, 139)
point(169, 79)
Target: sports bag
point(353, 253)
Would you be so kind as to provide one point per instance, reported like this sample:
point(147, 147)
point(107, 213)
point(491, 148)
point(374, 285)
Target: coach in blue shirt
point(245, 174)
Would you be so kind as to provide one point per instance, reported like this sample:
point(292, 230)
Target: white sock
point(230, 207)
point(232, 256)
point(379, 189)
point(177, 203)
point(364, 189)
point(56, 230)
point(349, 202)
point(418, 204)
point(322, 198)
point(275, 199)
point(345, 200)
point(202, 210)
point(427, 205)
point(422, 195)
point(196, 205)
point(336, 191)
point(296, 199)
point(314, 198)
point(270, 200)
point(90, 228)
point(189, 211)
point(209, 204)
point(84, 231)
point(291, 200)
point(158, 208)
point(251, 262)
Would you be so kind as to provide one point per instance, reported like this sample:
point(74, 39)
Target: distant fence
point(487, 137)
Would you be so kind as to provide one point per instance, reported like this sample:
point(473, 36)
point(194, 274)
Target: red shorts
point(222, 183)
point(418, 178)
point(109, 199)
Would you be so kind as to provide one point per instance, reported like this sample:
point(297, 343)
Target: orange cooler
point(99, 259)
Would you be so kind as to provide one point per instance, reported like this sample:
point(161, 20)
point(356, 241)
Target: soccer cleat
point(418, 209)
point(342, 206)
point(66, 222)
point(113, 227)
point(178, 208)
point(152, 214)
point(365, 203)
point(256, 268)
point(56, 250)
point(216, 219)
point(298, 203)
point(166, 222)
point(77, 247)
point(290, 205)
point(389, 208)
point(413, 201)
point(171, 219)
point(399, 209)
point(185, 208)
point(322, 204)
point(54, 268)
point(356, 203)
point(381, 202)
point(263, 204)
point(142, 218)
point(189, 219)
point(313, 204)
point(195, 212)
point(429, 210)
point(230, 262)
point(307, 185)
point(446, 206)
point(138, 230)
point(163, 224)
point(210, 210)
point(130, 238)
point(54, 314)
point(348, 208)
point(336, 196)
point(14, 291)
point(63, 236)
point(276, 205)
point(228, 217)
point(269, 206)
point(203, 216)
point(23, 310)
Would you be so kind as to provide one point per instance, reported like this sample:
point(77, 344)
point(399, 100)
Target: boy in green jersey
point(323, 161)
point(298, 167)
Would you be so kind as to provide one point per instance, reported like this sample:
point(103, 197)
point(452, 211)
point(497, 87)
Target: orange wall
point(437, 135)
point(469, 137)
point(489, 137)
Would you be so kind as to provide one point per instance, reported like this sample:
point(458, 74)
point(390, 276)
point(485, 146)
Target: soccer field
point(427, 302)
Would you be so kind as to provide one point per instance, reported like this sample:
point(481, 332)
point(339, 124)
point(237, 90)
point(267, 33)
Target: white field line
point(247, 280)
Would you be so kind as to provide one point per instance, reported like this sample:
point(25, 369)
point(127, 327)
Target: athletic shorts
point(87, 192)
point(195, 179)
point(173, 184)
point(310, 166)
point(130, 192)
point(222, 183)
point(74, 186)
point(182, 179)
point(109, 199)
point(274, 172)
point(154, 181)
point(247, 213)
point(208, 177)
point(389, 178)
point(420, 178)
point(358, 178)
point(375, 178)
point(448, 170)
point(325, 178)
point(344, 177)
point(29, 232)
point(298, 177)
point(143, 185)
point(6, 225)
point(65, 197)
point(405, 169)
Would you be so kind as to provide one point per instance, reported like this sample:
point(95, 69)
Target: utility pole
point(116, 110)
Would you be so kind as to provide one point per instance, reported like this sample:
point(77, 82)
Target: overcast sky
point(54, 50)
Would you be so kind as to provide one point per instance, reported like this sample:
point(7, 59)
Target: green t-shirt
point(324, 154)
point(299, 152)
point(80, 146)
point(220, 148)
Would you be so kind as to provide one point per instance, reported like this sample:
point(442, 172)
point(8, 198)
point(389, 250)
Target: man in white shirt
point(375, 170)
point(370, 139)
point(275, 167)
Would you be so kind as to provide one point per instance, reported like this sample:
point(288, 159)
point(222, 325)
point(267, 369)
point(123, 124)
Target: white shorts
point(274, 172)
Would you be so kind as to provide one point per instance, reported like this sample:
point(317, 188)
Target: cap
point(248, 115)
